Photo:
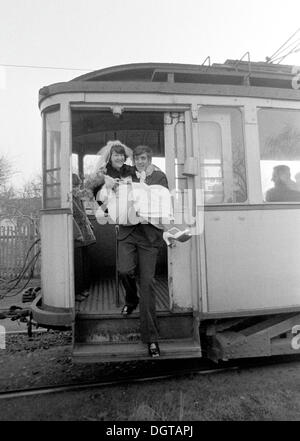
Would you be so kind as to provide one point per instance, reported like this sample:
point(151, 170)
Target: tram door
point(182, 258)
point(221, 153)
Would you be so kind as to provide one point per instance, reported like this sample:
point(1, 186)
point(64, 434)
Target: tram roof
point(239, 78)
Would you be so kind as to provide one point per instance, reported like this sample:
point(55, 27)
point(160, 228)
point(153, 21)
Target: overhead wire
point(292, 51)
point(279, 54)
point(24, 66)
point(288, 48)
point(282, 46)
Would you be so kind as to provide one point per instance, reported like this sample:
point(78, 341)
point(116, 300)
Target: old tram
point(233, 290)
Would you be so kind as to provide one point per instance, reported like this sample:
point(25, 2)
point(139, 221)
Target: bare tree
point(6, 172)
point(239, 173)
point(284, 146)
point(32, 188)
point(21, 203)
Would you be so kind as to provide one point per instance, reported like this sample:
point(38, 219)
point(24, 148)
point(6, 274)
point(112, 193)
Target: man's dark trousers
point(140, 244)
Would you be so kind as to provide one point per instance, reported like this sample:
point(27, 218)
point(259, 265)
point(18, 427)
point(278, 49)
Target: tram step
point(110, 352)
point(118, 329)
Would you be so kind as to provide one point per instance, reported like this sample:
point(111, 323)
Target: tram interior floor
point(101, 297)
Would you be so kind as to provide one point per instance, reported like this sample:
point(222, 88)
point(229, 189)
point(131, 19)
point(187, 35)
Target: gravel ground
point(255, 393)
point(46, 359)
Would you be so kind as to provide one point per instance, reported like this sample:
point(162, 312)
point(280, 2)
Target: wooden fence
point(15, 242)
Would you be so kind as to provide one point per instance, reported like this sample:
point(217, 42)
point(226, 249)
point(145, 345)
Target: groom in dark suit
point(140, 244)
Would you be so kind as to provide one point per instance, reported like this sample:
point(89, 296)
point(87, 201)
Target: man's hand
point(151, 168)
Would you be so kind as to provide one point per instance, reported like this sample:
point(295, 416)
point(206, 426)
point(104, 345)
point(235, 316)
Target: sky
point(95, 34)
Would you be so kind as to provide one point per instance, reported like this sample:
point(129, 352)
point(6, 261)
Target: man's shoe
point(154, 351)
point(128, 309)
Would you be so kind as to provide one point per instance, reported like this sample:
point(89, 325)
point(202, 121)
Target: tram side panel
point(252, 259)
point(57, 247)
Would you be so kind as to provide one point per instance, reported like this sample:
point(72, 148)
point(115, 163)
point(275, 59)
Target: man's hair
point(297, 176)
point(140, 149)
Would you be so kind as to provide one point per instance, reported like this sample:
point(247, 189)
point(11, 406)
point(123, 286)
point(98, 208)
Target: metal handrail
point(207, 58)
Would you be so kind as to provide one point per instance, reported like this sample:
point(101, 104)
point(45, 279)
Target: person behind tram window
point(285, 189)
point(297, 179)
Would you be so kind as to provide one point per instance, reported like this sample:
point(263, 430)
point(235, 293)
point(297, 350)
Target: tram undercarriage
point(245, 337)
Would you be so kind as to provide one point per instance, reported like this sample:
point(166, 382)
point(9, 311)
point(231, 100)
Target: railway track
point(24, 332)
point(163, 375)
point(93, 385)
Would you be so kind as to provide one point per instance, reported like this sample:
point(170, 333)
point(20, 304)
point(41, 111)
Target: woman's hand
point(94, 181)
point(109, 182)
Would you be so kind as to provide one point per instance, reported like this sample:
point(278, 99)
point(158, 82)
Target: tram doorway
point(97, 285)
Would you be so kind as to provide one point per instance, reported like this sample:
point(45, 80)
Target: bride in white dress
point(124, 193)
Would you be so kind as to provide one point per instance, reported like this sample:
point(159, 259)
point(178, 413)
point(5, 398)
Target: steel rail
point(17, 393)
point(25, 332)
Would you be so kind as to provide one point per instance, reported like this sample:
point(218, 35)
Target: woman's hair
point(117, 148)
point(106, 151)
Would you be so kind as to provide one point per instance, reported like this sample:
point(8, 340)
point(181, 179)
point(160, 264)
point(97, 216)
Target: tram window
point(279, 136)
point(89, 163)
point(52, 171)
point(222, 153)
point(75, 165)
point(160, 163)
